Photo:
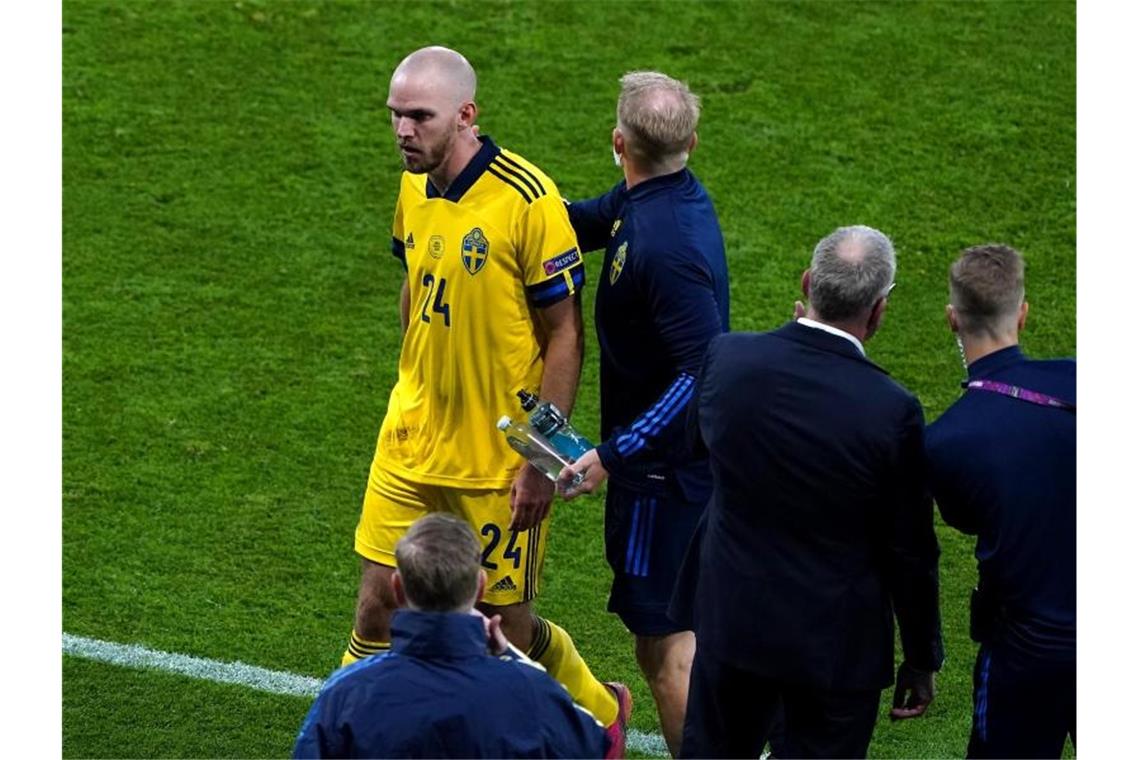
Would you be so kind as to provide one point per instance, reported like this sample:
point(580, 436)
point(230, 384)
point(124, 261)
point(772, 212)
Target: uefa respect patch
point(561, 261)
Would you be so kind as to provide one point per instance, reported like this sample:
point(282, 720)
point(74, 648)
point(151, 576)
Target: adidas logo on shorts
point(506, 584)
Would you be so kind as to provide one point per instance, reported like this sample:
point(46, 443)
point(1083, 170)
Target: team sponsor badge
point(435, 246)
point(618, 262)
point(561, 261)
point(616, 227)
point(474, 250)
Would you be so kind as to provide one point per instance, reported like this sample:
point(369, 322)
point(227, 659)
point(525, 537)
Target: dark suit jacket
point(819, 525)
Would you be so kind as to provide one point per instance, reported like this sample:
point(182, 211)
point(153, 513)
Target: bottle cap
point(527, 399)
point(503, 423)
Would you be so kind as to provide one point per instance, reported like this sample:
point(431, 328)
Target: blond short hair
point(658, 116)
point(987, 288)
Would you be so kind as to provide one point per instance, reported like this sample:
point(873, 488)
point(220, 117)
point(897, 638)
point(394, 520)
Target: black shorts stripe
point(534, 187)
point(541, 640)
point(492, 169)
point(529, 563)
point(523, 169)
point(530, 589)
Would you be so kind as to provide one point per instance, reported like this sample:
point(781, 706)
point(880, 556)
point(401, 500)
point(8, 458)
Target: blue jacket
point(662, 296)
point(1005, 470)
point(438, 693)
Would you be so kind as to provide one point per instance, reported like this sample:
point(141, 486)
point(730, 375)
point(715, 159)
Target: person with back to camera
point(1003, 467)
point(451, 685)
point(819, 533)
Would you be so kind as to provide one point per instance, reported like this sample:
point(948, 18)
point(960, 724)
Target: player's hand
point(799, 310)
point(914, 690)
point(493, 626)
point(531, 494)
point(595, 474)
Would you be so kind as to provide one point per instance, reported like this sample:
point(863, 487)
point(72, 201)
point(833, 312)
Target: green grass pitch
point(230, 322)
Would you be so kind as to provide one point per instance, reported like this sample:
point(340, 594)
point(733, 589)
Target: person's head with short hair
point(852, 272)
point(987, 293)
point(656, 122)
point(431, 98)
point(438, 566)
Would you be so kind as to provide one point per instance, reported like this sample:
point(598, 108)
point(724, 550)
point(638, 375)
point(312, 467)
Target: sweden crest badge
point(474, 250)
point(618, 262)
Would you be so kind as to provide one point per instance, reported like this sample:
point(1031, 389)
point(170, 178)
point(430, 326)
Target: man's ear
point(482, 586)
point(618, 140)
point(398, 589)
point(805, 284)
point(1021, 315)
point(693, 143)
point(951, 318)
point(468, 113)
point(878, 309)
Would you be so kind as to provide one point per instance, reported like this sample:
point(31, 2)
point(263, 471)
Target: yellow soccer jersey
point(480, 259)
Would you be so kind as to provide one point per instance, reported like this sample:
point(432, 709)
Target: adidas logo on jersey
point(410, 242)
point(506, 584)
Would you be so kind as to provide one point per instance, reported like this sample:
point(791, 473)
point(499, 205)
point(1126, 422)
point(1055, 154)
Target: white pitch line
point(251, 676)
point(133, 656)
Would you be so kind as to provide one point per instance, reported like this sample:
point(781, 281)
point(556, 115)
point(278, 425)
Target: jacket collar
point(824, 341)
point(834, 331)
point(647, 187)
point(998, 360)
point(438, 635)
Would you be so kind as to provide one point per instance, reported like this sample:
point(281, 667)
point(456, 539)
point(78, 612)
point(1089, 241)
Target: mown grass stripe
point(251, 676)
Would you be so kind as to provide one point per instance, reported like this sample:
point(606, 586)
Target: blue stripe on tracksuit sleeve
point(652, 422)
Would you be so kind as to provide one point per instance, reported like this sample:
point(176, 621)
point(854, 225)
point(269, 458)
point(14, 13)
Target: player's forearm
point(562, 364)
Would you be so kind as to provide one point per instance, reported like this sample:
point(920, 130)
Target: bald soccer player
point(490, 304)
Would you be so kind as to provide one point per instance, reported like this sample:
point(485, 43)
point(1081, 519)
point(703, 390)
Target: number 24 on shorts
point(511, 552)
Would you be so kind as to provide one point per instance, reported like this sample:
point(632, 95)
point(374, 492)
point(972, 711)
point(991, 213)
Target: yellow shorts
point(512, 559)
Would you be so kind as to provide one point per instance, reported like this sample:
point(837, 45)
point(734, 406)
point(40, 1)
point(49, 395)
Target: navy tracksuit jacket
point(438, 693)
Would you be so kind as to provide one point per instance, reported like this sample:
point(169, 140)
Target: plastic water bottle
point(537, 448)
point(549, 421)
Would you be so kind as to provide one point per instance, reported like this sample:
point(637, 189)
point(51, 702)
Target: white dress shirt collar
point(833, 330)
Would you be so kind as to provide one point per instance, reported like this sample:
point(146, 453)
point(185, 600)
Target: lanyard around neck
point(1022, 394)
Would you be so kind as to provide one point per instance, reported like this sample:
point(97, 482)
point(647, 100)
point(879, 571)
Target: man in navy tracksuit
point(662, 296)
point(1002, 466)
point(440, 691)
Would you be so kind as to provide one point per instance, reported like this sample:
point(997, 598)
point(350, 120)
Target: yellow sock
point(359, 648)
point(553, 648)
